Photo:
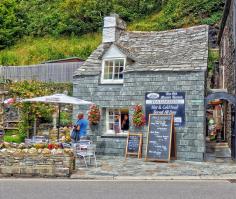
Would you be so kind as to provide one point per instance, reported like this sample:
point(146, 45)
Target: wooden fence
point(50, 72)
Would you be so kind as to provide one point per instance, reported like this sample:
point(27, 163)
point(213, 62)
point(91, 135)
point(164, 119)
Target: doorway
point(220, 127)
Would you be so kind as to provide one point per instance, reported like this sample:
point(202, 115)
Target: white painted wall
point(113, 52)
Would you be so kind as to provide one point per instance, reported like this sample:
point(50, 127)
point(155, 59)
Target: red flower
point(138, 116)
point(94, 114)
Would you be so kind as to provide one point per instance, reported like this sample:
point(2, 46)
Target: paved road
point(73, 189)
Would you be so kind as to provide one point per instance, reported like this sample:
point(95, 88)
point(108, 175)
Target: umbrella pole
point(59, 121)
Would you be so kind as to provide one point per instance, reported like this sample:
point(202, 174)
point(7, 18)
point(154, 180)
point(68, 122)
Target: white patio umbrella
point(58, 99)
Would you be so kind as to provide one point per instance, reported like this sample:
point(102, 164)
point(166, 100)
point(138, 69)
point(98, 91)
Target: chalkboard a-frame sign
point(134, 145)
point(161, 138)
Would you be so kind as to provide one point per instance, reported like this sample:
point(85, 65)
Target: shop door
point(233, 133)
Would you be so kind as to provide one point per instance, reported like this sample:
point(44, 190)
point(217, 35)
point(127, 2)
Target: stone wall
point(25, 163)
point(190, 139)
point(227, 63)
point(227, 53)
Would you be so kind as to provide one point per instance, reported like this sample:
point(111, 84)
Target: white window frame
point(112, 81)
point(112, 132)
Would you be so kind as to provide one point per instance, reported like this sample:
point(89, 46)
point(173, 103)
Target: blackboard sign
point(166, 103)
point(133, 145)
point(159, 137)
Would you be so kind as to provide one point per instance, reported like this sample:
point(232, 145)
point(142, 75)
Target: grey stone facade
point(227, 49)
point(227, 62)
point(190, 139)
point(168, 61)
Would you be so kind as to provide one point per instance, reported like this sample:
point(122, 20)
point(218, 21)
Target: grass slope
point(36, 50)
point(181, 13)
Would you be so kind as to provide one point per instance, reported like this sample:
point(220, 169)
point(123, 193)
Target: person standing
point(125, 123)
point(117, 124)
point(81, 127)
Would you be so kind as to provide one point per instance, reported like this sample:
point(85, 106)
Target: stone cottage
point(129, 65)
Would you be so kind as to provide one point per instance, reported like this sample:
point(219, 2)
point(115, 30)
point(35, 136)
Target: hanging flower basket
point(138, 116)
point(94, 115)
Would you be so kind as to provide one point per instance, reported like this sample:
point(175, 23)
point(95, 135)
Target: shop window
point(113, 71)
point(117, 121)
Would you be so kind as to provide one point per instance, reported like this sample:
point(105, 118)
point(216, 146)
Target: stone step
point(217, 145)
point(222, 145)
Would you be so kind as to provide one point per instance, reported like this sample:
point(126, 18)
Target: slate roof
point(174, 50)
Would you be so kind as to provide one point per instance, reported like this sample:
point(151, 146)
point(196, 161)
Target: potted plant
point(94, 115)
point(138, 116)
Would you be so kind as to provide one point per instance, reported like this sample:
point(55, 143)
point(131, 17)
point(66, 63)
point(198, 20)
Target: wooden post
point(35, 125)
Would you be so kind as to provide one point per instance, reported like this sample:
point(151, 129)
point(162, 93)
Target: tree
point(11, 23)
point(83, 16)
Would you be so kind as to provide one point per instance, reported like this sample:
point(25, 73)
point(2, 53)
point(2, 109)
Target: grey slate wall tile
point(190, 139)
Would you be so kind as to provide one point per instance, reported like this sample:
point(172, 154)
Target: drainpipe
point(223, 79)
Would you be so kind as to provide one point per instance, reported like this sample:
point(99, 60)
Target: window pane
point(106, 72)
point(108, 69)
point(121, 62)
point(117, 70)
point(110, 72)
point(124, 119)
point(111, 126)
point(121, 69)
point(110, 63)
point(117, 62)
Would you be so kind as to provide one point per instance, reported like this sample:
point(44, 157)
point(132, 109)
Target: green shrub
point(8, 58)
point(10, 132)
point(15, 139)
point(213, 56)
point(65, 118)
point(213, 19)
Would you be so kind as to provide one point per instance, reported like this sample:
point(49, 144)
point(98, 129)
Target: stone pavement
point(113, 167)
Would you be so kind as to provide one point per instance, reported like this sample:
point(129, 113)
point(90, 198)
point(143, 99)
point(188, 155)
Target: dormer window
point(113, 70)
point(113, 65)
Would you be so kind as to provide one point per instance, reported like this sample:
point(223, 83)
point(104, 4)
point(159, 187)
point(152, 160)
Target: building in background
point(227, 70)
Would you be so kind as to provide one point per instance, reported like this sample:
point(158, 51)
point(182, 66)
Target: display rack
point(11, 118)
point(9, 115)
point(3, 94)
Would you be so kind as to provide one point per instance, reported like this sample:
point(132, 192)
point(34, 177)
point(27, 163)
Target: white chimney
point(112, 28)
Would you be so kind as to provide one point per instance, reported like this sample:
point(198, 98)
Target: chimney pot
point(112, 28)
